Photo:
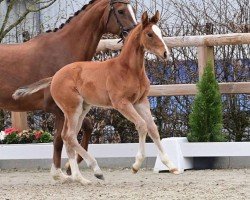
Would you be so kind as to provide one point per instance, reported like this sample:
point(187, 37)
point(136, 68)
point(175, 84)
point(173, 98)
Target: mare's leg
point(144, 110)
point(88, 129)
point(128, 111)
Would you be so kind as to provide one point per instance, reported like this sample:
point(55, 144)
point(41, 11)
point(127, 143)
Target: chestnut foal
point(120, 83)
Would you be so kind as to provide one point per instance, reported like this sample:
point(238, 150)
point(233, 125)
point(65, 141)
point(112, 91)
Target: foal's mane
point(70, 18)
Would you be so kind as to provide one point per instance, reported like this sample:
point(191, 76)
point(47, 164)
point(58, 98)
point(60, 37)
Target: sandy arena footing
point(122, 184)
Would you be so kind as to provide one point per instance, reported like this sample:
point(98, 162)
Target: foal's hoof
point(175, 171)
point(134, 171)
point(99, 176)
point(68, 171)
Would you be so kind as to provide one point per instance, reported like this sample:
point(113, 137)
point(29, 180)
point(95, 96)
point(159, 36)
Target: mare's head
point(120, 17)
point(151, 37)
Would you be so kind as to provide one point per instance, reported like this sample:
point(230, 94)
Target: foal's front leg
point(143, 109)
point(128, 111)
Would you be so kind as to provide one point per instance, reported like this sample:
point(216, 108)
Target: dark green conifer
point(205, 120)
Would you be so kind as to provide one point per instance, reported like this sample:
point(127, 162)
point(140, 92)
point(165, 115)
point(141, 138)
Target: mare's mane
point(70, 18)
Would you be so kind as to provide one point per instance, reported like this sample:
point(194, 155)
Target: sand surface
point(122, 184)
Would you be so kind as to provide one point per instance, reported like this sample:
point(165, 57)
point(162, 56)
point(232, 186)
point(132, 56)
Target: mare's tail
point(32, 88)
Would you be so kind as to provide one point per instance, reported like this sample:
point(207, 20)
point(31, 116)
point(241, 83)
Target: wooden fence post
point(205, 54)
point(19, 120)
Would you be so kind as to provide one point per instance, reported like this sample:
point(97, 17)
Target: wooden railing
point(205, 51)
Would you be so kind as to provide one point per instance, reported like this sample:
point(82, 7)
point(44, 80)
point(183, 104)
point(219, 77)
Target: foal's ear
point(156, 17)
point(144, 19)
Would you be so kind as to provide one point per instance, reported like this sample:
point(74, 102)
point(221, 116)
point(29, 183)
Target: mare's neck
point(82, 34)
point(132, 54)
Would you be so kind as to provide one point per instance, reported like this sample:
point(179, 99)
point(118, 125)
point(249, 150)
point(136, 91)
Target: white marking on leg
point(132, 13)
point(140, 154)
point(57, 174)
point(67, 165)
point(142, 130)
point(76, 174)
point(157, 32)
point(74, 168)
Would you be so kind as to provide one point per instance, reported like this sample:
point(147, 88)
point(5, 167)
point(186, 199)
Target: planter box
point(187, 155)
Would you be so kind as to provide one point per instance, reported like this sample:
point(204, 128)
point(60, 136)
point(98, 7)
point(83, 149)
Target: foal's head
point(151, 37)
point(120, 17)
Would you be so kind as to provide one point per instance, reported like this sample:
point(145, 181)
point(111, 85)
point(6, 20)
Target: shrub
point(205, 120)
point(26, 136)
point(11, 139)
point(45, 137)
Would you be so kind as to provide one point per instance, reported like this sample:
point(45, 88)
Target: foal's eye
point(150, 35)
point(121, 12)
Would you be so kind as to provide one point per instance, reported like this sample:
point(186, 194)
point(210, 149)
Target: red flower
point(9, 131)
point(38, 134)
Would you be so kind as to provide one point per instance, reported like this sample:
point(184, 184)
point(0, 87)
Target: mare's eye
point(121, 12)
point(150, 35)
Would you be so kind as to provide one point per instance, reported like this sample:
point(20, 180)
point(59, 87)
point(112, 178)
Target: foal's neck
point(132, 54)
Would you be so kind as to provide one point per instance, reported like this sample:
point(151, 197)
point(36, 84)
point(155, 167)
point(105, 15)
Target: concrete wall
point(35, 156)
point(219, 163)
point(111, 163)
point(222, 162)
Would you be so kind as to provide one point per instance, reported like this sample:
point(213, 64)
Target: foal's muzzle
point(165, 56)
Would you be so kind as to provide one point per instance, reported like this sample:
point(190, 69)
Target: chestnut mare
point(43, 56)
point(120, 83)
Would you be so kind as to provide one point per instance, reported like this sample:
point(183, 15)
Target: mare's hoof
point(134, 171)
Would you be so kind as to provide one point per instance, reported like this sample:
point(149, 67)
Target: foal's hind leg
point(87, 129)
point(74, 121)
point(84, 154)
point(76, 174)
point(144, 110)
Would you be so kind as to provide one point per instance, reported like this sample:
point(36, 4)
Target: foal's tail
point(32, 88)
